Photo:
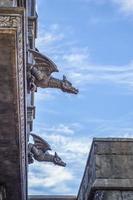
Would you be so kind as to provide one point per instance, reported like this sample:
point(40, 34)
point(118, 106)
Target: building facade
point(109, 170)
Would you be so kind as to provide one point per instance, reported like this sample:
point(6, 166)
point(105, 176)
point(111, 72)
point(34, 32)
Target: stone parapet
point(50, 197)
point(109, 167)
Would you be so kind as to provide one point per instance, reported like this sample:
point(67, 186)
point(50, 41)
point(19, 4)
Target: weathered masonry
point(13, 98)
point(108, 174)
point(13, 167)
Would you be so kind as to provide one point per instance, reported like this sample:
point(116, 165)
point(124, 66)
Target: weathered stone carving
point(38, 151)
point(52, 82)
point(39, 75)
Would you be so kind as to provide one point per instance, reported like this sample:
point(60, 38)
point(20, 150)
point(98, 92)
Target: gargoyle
point(52, 82)
point(38, 151)
point(40, 75)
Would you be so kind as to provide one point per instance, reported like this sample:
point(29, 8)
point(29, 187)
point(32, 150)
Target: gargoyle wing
point(40, 143)
point(43, 63)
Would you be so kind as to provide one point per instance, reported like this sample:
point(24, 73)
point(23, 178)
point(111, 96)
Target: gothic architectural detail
point(39, 151)
point(63, 84)
point(109, 170)
point(39, 75)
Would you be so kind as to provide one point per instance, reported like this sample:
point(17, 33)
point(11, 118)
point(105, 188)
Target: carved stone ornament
point(39, 151)
point(39, 75)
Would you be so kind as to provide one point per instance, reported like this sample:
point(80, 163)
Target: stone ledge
point(112, 139)
point(113, 184)
point(51, 197)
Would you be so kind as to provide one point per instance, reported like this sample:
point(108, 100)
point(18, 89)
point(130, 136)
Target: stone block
point(8, 3)
point(109, 167)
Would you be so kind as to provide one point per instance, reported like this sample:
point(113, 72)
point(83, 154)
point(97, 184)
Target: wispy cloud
point(76, 62)
point(49, 35)
point(125, 6)
point(48, 176)
point(72, 150)
point(118, 127)
point(95, 74)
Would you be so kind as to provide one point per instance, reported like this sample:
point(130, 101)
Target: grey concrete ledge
point(109, 139)
point(115, 184)
point(51, 197)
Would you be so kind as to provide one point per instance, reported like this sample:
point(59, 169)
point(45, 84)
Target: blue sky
point(91, 41)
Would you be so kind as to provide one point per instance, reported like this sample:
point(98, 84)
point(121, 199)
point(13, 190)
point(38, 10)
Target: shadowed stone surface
point(109, 167)
point(48, 197)
point(9, 169)
point(12, 105)
point(113, 195)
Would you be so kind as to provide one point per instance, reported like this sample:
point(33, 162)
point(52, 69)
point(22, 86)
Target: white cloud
point(49, 176)
point(59, 129)
point(48, 38)
point(76, 58)
point(125, 5)
point(94, 74)
point(119, 127)
point(76, 64)
point(71, 149)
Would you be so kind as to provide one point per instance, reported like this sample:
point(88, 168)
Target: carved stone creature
point(40, 75)
point(38, 151)
point(52, 82)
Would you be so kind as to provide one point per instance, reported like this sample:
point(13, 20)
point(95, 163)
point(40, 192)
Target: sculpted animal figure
point(40, 75)
point(38, 151)
point(52, 82)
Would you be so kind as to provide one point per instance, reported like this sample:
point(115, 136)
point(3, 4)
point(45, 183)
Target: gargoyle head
point(58, 161)
point(67, 86)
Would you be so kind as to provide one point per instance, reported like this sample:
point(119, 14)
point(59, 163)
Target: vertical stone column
point(109, 171)
point(13, 167)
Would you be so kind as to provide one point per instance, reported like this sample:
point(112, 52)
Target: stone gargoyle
point(39, 75)
point(39, 151)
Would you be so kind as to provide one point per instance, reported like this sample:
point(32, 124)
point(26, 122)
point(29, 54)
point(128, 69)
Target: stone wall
point(13, 167)
point(109, 167)
point(113, 195)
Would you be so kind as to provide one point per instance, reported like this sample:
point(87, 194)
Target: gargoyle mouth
point(62, 164)
point(75, 91)
point(71, 90)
